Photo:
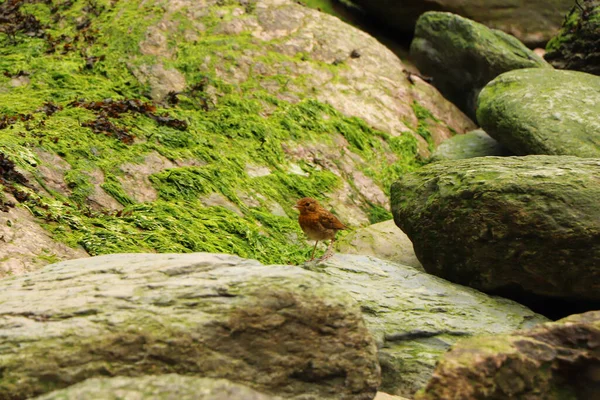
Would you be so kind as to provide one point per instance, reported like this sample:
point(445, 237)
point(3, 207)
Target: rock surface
point(577, 45)
point(315, 107)
point(415, 317)
point(26, 246)
point(558, 360)
point(542, 111)
point(284, 27)
point(472, 144)
point(383, 240)
point(533, 22)
point(507, 224)
point(279, 329)
point(156, 387)
point(462, 56)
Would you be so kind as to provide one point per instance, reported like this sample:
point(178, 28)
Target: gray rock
point(383, 240)
point(415, 317)
point(462, 56)
point(507, 224)
point(279, 329)
point(577, 45)
point(542, 111)
point(472, 144)
point(156, 387)
point(532, 21)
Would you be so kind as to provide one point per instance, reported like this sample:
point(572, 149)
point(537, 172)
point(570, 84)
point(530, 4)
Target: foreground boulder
point(383, 240)
point(543, 111)
point(472, 144)
point(415, 317)
point(279, 329)
point(558, 360)
point(577, 45)
point(462, 56)
point(153, 387)
point(507, 224)
point(533, 22)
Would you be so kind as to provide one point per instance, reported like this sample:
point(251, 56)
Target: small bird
point(318, 224)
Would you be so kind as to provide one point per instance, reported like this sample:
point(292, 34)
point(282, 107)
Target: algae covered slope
point(177, 126)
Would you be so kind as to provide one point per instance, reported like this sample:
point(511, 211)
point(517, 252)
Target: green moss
point(229, 128)
point(378, 214)
point(423, 116)
point(80, 185)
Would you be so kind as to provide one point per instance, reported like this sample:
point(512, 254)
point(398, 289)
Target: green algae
point(242, 125)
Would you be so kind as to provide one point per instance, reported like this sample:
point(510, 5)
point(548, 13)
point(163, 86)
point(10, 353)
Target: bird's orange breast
point(313, 228)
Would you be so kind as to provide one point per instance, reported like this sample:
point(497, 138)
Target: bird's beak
point(295, 206)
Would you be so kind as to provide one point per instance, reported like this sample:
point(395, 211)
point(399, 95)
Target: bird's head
point(307, 204)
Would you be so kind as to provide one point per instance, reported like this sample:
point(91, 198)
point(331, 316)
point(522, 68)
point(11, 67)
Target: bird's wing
point(330, 221)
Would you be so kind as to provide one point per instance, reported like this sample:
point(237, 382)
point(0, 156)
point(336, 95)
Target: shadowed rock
point(462, 56)
point(472, 144)
point(532, 21)
point(577, 45)
point(508, 225)
point(558, 360)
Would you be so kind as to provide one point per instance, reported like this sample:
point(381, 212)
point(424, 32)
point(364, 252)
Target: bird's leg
point(328, 252)
point(312, 257)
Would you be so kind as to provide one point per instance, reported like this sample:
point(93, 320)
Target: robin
point(318, 224)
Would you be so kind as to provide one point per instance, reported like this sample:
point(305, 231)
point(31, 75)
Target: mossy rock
point(513, 225)
point(533, 22)
point(415, 317)
point(156, 387)
point(213, 91)
point(551, 361)
point(278, 329)
point(542, 111)
point(577, 45)
point(462, 56)
point(471, 144)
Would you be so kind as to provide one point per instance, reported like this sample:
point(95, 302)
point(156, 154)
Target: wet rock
point(543, 111)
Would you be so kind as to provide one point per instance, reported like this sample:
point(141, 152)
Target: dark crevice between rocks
point(553, 308)
point(397, 41)
point(421, 334)
point(9, 177)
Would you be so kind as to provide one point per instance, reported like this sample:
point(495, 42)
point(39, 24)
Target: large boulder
point(279, 329)
point(558, 360)
point(462, 56)
point(383, 240)
point(472, 144)
point(511, 225)
point(533, 21)
point(543, 111)
point(205, 118)
point(415, 317)
point(156, 387)
point(577, 45)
